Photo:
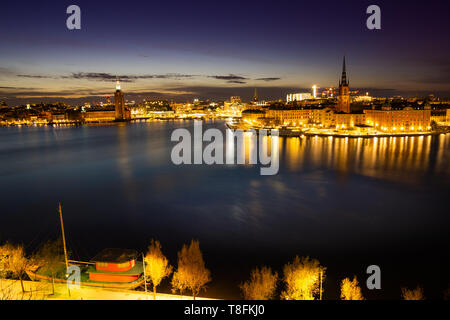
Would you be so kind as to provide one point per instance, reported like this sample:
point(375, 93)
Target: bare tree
point(261, 286)
point(413, 294)
point(350, 289)
point(51, 259)
point(15, 261)
point(302, 278)
point(156, 265)
point(191, 273)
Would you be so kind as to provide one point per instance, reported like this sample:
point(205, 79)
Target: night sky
point(213, 49)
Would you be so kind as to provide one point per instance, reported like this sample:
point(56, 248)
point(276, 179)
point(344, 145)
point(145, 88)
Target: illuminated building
point(235, 100)
point(252, 114)
point(119, 103)
point(349, 120)
point(234, 106)
point(439, 116)
point(343, 104)
point(363, 98)
point(119, 113)
point(324, 117)
point(255, 97)
point(328, 93)
point(298, 97)
point(291, 116)
point(406, 119)
point(314, 88)
point(99, 115)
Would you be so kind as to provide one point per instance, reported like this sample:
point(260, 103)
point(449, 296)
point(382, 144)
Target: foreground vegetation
point(301, 279)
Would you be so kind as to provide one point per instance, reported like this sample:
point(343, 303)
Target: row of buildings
point(304, 110)
point(331, 109)
point(385, 120)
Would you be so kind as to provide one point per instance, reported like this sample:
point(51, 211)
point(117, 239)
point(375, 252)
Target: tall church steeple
point(343, 103)
point(344, 80)
point(255, 97)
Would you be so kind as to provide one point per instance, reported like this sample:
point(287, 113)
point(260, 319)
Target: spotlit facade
point(298, 96)
point(407, 120)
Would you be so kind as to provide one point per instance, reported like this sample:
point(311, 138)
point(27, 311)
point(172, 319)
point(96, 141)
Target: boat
point(110, 268)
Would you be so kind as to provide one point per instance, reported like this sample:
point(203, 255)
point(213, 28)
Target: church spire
point(255, 97)
point(344, 80)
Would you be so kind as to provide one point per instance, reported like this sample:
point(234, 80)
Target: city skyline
point(213, 51)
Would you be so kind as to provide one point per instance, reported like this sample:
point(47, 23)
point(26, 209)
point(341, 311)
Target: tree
point(261, 286)
point(50, 258)
point(413, 294)
point(156, 265)
point(191, 273)
point(303, 278)
point(15, 261)
point(350, 290)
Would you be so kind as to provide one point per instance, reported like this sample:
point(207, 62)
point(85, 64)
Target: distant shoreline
point(287, 133)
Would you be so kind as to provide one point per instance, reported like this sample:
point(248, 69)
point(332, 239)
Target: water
point(347, 202)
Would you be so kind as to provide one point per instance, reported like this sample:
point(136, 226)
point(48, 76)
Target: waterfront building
point(253, 115)
point(291, 116)
point(402, 120)
point(343, 104)
point(349, 120)
point(439, 116)
point(102, 115)
point(121, 113)
point(323, 117)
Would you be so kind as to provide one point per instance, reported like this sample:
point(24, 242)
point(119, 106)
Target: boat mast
point(145, 276)
point(63, 236)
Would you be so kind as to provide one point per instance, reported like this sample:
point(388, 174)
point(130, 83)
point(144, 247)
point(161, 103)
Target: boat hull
point(117, 285)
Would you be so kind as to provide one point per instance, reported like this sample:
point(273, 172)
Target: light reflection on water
point(397, 158)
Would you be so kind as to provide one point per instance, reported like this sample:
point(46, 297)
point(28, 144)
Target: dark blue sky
point(213, 49)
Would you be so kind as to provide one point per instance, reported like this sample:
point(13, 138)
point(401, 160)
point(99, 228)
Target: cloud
point(34, 76)
point(230, 77)
point(268, 79)
point(102, 76)
point(236, 81)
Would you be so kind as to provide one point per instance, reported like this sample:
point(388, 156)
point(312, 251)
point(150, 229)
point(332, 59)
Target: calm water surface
point(348, 202)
